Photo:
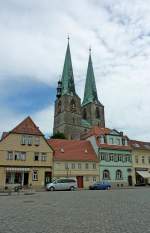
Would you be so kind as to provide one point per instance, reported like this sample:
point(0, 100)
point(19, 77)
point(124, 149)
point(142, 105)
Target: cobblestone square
point(117, 211)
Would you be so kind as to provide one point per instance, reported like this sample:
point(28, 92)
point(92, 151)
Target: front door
point(48, 177)
point(80, 181)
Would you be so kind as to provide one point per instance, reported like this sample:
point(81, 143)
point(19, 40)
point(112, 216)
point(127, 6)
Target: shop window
point(118, 175)
point(106, 175)
point(35, 175)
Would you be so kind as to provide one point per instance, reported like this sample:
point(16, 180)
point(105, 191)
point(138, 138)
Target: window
point(66, 166)
point(43, 157)
point(17, 156)
point(26, 140)
point(35, 175)
point(73, 165)
point(97, 113)
point(23, 140)
point(118, 175)
point(36, 156)
point(10, 155)
point(23, 155)
point(72, 106)
point(143, 159)
point(84, 114)
point(79, 165)
point(106, 175)
point(94, 165)
point(149, 159)
point(86, 166)
point(29, 138)
point(136, 159)
point(37, 141)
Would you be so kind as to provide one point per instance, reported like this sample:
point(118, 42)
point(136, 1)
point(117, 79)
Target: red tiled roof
point(27, 126)
point(95, 131)
point(113, 147)
point(139, 144)
point(74, 150)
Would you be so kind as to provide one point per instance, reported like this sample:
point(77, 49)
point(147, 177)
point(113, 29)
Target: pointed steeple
point(67, 80)
point(90, 91)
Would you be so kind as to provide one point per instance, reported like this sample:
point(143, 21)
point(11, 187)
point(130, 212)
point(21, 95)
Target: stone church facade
point(72, 117)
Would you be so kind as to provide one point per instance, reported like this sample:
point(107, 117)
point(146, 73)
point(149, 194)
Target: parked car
point(62, 184)
point(100, 186)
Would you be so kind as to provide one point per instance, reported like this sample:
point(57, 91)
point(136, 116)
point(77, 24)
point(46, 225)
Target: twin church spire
point(67, 80)
point(71, 117)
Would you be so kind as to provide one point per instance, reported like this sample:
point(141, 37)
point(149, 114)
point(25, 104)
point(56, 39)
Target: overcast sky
point(33, 40)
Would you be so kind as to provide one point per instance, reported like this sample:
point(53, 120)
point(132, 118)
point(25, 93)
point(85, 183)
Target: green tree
point(58, 135)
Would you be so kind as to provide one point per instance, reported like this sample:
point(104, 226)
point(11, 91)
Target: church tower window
point(97, 113)
point(72, 106)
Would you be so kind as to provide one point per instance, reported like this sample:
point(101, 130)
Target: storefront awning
point(144, 174)
point(17, 169)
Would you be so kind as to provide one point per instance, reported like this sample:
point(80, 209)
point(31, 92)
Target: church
point(73, 117)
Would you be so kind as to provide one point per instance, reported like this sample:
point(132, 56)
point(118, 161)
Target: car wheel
point(51, 188)
point(108, 188)
point(72, 188)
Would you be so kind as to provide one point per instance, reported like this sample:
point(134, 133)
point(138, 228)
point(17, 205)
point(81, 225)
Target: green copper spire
point(90, 92)
point(67, 79)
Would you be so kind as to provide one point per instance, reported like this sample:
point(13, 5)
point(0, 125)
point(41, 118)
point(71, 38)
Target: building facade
point(71, 117)
point(25, 157)
point(75, 159)
point(141, 162)
point(115, 155)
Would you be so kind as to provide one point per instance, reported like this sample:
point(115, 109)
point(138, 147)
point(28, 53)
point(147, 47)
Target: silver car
point(62, 184)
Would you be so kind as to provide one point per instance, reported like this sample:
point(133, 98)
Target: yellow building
point(141, 162)
point(25, 157)
point(75, 159)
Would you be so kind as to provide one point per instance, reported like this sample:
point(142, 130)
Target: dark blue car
point(100, 186)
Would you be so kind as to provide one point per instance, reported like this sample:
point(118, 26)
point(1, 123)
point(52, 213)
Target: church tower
point(92, 109)
point(67, 118)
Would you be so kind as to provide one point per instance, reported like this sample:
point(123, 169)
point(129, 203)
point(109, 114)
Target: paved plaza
point(118, 211)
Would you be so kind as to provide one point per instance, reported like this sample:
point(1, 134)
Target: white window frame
point(35, 175)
